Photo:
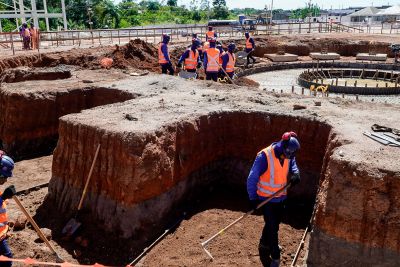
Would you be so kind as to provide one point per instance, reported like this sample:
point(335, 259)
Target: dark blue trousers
point(272, 217)
point(5, 251)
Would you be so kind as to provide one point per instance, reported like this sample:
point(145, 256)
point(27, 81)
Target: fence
point(10, 43)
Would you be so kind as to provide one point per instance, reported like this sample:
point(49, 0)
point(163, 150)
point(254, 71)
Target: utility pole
point(272, 4)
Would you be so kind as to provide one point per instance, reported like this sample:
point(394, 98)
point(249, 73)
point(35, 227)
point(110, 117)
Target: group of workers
point(30, 36)
point(210, 54)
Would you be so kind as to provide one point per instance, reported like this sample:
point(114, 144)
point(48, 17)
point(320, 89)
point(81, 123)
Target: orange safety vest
point(275, 177)
point(212, 60)
point(210, 34)
point(249, 45)
point(220, 57)
point(191, 60)
point(230, 66)
point(161, 58)
point(3, 220)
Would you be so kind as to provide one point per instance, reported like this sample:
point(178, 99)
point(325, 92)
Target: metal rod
point(147, 249)
point(203, 244)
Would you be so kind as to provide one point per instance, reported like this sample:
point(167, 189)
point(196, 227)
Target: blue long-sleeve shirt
point(253, 43)
point(186, 55)
point(260, 166)
point(164, 50)
point(225, 60)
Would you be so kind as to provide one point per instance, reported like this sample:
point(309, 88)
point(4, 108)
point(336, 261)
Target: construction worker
point(6, 168)
point(229, 60)
point(191, 57)
point(211, 34)
point(163, 56)
point(221, 54)
point(34, 36)
point(211, 59)
point(250, 46)
point(271, 169)
point(26, 36)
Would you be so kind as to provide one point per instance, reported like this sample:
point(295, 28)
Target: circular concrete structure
point(352, 81)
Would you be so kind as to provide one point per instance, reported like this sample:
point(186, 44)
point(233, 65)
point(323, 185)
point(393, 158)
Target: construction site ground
point(148, 103)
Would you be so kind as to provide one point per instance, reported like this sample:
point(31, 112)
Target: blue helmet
point(231, 47)
point(247, 34)
point(6, 166)
point(166, 38)
point(196, 43)
point(290, 147)
point(219, 47)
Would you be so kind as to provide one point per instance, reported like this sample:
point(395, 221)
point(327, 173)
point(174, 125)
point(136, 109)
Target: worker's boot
point(275, 263)
point(265, 254)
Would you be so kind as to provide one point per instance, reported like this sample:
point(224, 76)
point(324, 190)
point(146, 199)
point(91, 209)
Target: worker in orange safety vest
point(191, 57)
point(163, 56)
point(211, 61)
point(6, 168)
point(268, 175)
point(229, 60)
point(250, 46)
point(211, 34)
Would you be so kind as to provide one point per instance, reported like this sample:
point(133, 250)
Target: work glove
point(179, 65)
point(9, 192)
point(295, 179)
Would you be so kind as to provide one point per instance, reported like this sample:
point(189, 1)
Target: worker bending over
point(211, 34)
point(6, 168)
point(250, 46)
point(191, 57)
point(268, 175)
point(211, 59)
point(229, 60)
point(163, 56)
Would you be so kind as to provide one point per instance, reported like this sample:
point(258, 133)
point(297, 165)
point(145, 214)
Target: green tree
point(220, 10)
point(172, 2)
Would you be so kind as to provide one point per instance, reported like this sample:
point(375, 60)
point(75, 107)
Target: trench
point(35, 117)
point(211, 153)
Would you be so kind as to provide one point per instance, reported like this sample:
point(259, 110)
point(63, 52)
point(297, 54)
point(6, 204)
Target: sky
point(293, 4)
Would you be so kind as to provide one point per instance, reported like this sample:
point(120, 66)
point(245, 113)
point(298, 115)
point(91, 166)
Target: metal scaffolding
point(24, 13)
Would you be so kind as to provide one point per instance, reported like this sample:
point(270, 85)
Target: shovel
point(73, 224)
point(40, 233)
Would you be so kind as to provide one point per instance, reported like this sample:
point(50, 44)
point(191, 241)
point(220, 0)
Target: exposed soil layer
point(158, 152)
point(158, 149)
point(28, 131)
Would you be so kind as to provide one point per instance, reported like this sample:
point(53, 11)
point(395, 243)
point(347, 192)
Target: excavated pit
point(159, 152)
point(166, 171)
point(32, 101)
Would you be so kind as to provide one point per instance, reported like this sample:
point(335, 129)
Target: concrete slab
point(327, 56)
point(376, 57)
point(281, 58)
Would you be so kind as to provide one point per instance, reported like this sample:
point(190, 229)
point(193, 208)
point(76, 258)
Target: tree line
point(100, 14)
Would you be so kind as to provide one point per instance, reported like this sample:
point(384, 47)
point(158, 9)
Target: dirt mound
point(137, 53)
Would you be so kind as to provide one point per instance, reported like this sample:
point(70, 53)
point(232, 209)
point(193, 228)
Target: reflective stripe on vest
point(191, 60)
point(212, 60)
point(161, 58)
point(249, 44)
point(230, 66)
point(210, 34)
point(3, 219)
point(275, 177)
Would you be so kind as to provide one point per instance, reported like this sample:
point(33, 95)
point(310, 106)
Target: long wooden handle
point(88, 179)
point(40, 233)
